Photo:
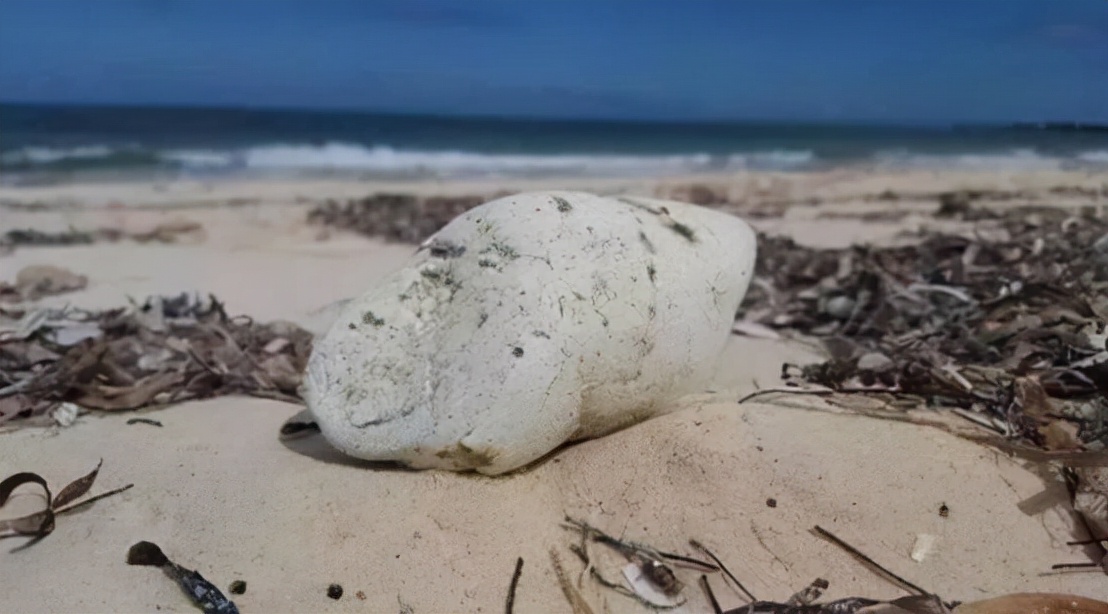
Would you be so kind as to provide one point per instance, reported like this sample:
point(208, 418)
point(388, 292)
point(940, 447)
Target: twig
point(576, 601)
point(701, 547)
point(711, 596)
point(978, 419)
point(1076, 566)
point(512, 587)
point(90, 500)
point(857, 554)
point(16, 387)
point(704, 566)
point(764, 391)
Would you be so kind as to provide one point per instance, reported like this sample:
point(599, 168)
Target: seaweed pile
point(394, 217)
point(1007, 322)
point(55, 363)
point(166, 232)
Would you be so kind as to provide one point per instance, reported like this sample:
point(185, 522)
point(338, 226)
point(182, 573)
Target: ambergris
point(529, 321)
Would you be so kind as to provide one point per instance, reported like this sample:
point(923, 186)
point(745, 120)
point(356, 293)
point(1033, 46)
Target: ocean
point(50, 142)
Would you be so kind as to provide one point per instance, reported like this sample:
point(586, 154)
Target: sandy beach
point(220, 492)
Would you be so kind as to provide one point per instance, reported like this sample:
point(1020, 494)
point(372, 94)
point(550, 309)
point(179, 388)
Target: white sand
point(218, 491)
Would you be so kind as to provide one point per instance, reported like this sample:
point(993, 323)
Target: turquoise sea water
point(38, 141)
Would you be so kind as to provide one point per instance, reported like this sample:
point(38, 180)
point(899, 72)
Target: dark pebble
point(238, 587)
point(771, 502)
point(334, 591)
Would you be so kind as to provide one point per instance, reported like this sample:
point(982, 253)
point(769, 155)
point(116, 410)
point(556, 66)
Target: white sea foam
point(773, 160)
point(1012, 160)
point(1095, 156)
point(387, 160)
point(47, 155)
point(342, 157)
point(200, 158)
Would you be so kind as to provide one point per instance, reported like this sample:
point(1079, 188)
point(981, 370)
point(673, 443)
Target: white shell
point(529, 321)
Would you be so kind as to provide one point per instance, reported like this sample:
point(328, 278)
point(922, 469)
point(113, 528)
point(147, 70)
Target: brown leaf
point(1032, 397)
point(76, 488)
point(139, 395)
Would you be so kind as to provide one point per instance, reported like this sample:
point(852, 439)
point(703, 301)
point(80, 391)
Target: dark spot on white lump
point(517, 352)
point(446, 249)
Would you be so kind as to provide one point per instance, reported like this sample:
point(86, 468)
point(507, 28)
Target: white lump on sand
point(527, 322)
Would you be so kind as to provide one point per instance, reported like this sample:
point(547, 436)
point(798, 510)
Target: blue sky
point(838, 60)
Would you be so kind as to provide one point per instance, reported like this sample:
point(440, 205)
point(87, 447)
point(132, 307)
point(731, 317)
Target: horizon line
point(854, 122)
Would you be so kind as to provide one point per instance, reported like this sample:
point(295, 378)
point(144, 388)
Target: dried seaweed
point(201, 592)
point(39, 524)
point(394, 217)
point(166, 232)
point(163, 351)
point(1007, 322)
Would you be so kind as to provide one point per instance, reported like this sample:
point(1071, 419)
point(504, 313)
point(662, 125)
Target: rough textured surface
point(527, 322)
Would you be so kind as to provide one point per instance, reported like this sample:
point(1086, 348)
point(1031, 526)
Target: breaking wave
point(351, 158)
point(388, 161)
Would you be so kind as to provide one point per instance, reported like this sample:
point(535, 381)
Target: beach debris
point(164, 350)
point(726, 572)
point(1034, 603)
point(653, 590)
point(41, 523)
point(922, 602)
point(238, 587)
point(1002, 325)
point(509, 604)
point(649, 575)
point(458, 361)
point(394, 217)
point(39, 280)
point(804, 600)
point(202, 593)
point(922, 547)
point(334, 591)
point(144, 421)
point(869, 562)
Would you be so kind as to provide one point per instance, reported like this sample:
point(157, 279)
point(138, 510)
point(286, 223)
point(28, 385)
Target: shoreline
point(839, 183)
